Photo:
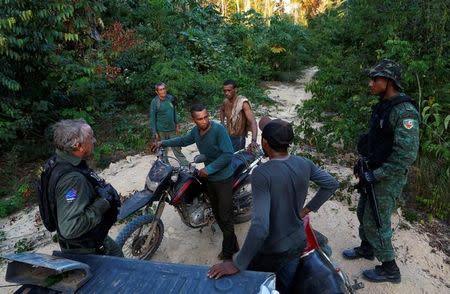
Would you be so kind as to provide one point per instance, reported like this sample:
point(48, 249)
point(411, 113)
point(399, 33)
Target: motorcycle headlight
point(174, 178)
point(151, 185)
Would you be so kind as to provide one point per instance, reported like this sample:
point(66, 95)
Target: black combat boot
point(388, 271)
point(363, 251)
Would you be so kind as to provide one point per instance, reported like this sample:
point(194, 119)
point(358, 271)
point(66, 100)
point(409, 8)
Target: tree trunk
point(247, 5)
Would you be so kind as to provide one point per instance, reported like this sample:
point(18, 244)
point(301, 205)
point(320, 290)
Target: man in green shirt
point(163, 120)
point(86, 207)
point(213, 141)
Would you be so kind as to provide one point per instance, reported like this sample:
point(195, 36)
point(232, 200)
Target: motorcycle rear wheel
point(244, 216)
point(132, 238)
point(242, 198)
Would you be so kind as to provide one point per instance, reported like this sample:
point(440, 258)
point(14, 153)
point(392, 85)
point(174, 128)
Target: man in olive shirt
point(163, 120)
point(213, 141)
point(86, 207)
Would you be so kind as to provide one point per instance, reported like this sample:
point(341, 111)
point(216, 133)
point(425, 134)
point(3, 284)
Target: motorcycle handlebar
point(160, 152)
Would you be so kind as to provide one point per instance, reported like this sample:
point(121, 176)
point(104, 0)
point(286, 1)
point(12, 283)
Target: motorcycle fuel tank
point(186, 188)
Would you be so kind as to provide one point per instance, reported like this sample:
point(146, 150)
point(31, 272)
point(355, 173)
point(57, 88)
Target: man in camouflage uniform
point(390, 147)
point(86, 207)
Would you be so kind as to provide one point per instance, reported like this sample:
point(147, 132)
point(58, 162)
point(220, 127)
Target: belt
point(72, 245)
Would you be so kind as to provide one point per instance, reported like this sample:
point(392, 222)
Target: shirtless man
point(237, 116)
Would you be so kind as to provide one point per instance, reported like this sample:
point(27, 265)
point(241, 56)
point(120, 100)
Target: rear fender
point(311, 240)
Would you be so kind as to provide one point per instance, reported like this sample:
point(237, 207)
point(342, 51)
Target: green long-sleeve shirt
point(404, 119)
point(215, 144)
point(78, 209)
point(163, 117)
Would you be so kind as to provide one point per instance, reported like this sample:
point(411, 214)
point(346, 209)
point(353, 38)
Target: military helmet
point(387, 69)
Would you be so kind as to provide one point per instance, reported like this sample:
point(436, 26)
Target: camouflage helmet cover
point(387, 69)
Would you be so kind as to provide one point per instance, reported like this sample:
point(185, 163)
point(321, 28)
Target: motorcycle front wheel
point(132, 238)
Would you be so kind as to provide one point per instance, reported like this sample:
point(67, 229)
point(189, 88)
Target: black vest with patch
point(52, 173)
point(377, 144)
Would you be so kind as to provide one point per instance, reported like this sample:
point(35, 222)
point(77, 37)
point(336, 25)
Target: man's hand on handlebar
point(155, 146)
point(203, 173)
point(304, 212)
point(252, 147)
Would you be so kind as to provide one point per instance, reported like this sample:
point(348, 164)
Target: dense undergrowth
point(100, 60)
point(352, 37)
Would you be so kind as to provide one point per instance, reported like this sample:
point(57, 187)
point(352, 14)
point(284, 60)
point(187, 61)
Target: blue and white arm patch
point(71, 195)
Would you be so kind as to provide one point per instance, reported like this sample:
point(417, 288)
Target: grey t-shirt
point(279, 189)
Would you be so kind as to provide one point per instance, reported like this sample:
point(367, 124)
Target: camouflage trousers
point(387, 193)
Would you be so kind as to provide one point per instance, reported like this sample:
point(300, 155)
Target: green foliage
point(23, 245)
point(429, 182)
point(71, 113)
point(40, 43)
point(280, 47)
point(86, 62)
point(411, 215)
point(436, 135)
point(16, 201)
point(55, 279)
point(99, 60)
point(126, 133)
point(349, 39)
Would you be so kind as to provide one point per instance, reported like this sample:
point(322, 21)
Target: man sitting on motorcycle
point(276, 236)
point(213, 141)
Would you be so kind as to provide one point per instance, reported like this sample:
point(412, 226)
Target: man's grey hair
point(159, 84)
point(68, 133)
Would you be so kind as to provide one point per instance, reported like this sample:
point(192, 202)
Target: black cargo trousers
point(220, 195)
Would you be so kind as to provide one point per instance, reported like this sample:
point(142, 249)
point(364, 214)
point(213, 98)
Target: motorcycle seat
point(240, 161)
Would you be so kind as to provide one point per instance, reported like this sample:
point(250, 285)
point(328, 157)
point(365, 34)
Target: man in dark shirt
point(213, 141)
point(276, 236)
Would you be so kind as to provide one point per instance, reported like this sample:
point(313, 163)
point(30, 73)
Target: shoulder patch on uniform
point(409, 123)
point(71, 195)
point(408, 115)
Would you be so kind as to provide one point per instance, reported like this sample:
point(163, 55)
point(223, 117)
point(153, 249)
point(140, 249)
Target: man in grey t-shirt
point(276, 236)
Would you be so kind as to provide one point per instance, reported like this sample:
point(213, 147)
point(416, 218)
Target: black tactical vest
point(377, 144)
point(91, 239)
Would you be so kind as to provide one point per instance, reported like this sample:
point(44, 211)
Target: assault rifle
point(366, 190)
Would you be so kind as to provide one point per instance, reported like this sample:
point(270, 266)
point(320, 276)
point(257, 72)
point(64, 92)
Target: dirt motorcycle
point(182, 188)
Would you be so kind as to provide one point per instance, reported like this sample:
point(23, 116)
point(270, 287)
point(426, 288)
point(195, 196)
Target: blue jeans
point(285, 276)
point(284, 265)
point(238, 142)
